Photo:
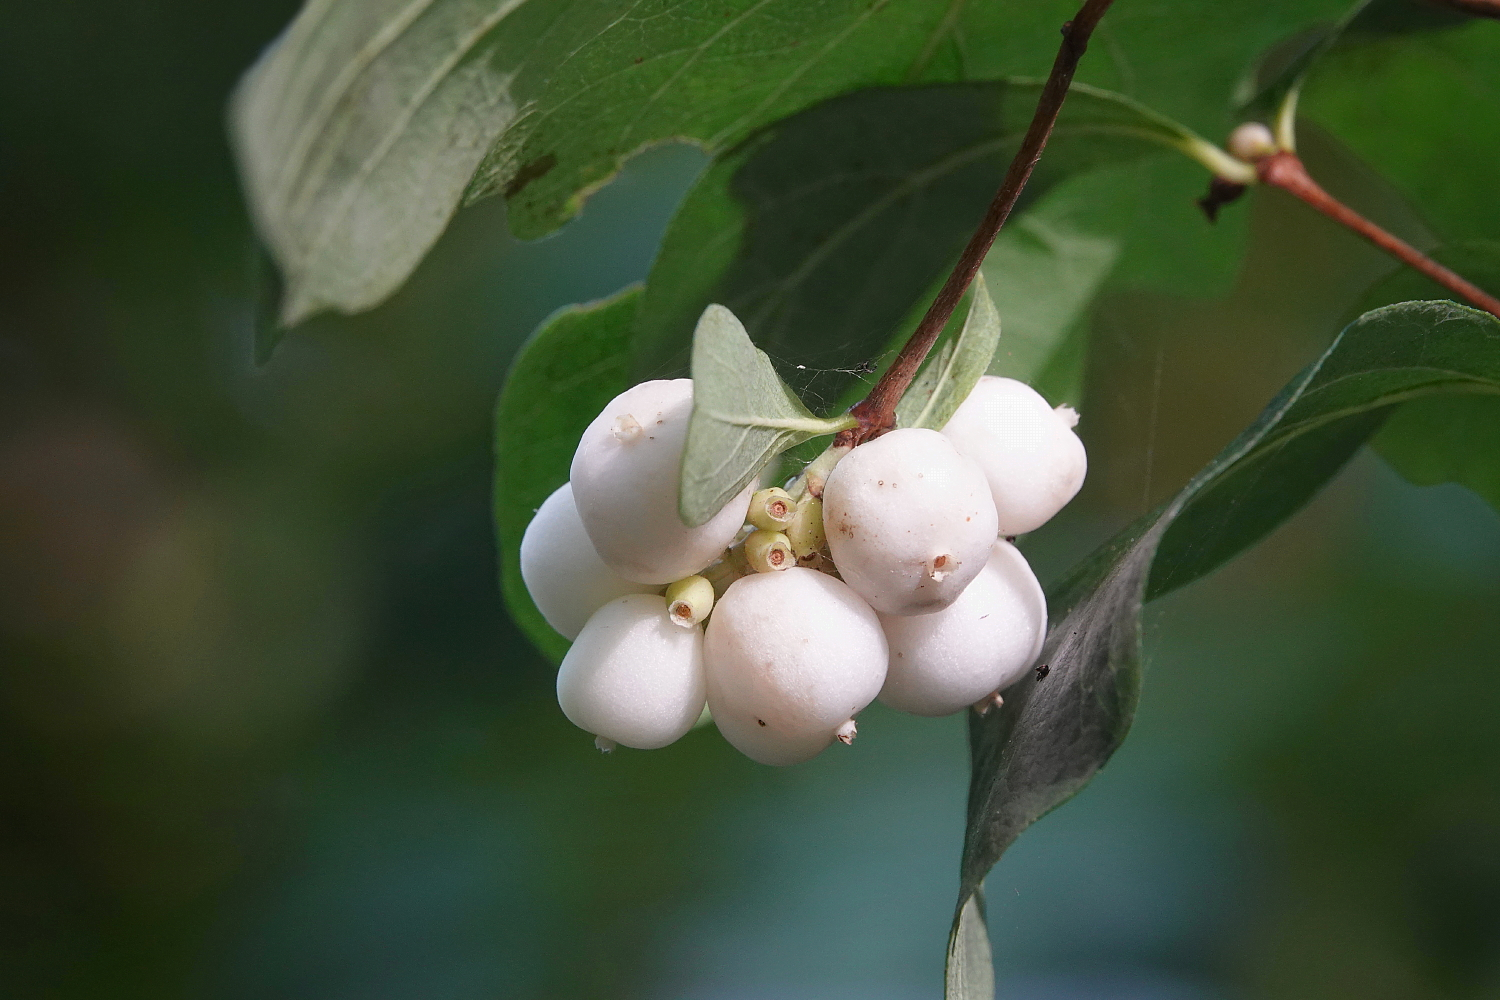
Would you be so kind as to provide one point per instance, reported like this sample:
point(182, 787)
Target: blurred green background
point(265, 730)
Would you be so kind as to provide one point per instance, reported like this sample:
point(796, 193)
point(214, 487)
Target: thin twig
point(1285, 170)
point(1474, 8)
point(877, 411)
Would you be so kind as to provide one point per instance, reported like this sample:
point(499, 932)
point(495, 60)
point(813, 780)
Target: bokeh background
point(266, 731)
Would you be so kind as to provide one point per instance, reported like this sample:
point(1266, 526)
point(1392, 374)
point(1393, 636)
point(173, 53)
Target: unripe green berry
point(689, 601)
point(806, 530)
point(769, 551)
point(772, 509)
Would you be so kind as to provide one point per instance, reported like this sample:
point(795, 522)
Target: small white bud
point(1251, 141)
point(769, 551)
point(632, 677)
point(791, 658)
point(624, 479)
point(689, 601)
point(910, 521)
point(565, 577)
point(1034, 462)
point(772, 509)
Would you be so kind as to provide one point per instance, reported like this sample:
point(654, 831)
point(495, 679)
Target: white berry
point(624, 476)
point(909, 521)
point(632, 676)
point(791, 657)
point(1034, 462)
point(565, 577)
point(982, 643)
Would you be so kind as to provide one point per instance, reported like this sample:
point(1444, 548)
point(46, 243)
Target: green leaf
point(971, 969)
point(744, 415)
point(1053, 734)
point(1424, 111)
point(366, 123)
point(947, 379)
point(1442, 440)
point(1270, 91)
point(823, 232)
point(1182, 58)
point(362, 127)
point(1049, 263)
point(575, 363)
point(1445, 439)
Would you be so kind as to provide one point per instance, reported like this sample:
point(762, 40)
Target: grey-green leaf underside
point(947, 378)
point(1053, 734)
point(360, 129)
point(744, 415)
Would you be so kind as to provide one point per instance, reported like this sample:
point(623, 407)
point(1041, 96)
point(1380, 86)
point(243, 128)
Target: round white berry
point(565, 577)
point(1034, 462)
point(981, 643)
point(624, 476)
point(632, 676)
point(909, 521)
point(791, 657)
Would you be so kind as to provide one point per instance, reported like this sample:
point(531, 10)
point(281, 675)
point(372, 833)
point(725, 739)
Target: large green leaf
point(363, 127)
point(1424, 111)
point(1054, 733)
point(822, 233)
point(1445, 439)
point(1183, 57)
point(575, 363)
point(1046, 268)
point(1274, 82)
point(744, 415)
point(360, 129)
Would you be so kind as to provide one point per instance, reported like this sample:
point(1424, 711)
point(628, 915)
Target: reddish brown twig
point(1474, 8)
point(877, 411)
point(1285, 170)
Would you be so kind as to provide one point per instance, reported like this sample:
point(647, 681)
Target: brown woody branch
point(1285, 170)
point(877, 411)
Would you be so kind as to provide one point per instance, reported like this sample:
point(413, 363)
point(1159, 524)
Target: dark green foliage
point(1056, 730)
point(1446, 438)
point(823, 233)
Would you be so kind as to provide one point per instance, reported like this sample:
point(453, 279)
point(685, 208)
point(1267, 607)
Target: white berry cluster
point(788, 612)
